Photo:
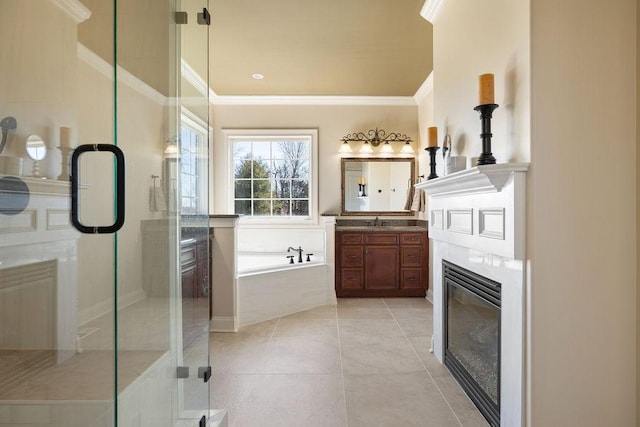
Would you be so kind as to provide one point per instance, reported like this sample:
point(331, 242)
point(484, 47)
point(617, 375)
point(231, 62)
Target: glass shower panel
point(98, 329)
point(57, 363)
point(192, 172)
point(162, 265)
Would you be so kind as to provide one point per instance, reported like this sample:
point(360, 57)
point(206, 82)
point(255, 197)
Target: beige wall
point(47, 47)
point(425, 120)
point(577, 126)
point(582, 214)
point(474, 38)
point(332, 122)
point(637, 213)
point(149, 58)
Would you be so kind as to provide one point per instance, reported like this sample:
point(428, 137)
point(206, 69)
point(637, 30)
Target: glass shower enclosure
point(104, 239)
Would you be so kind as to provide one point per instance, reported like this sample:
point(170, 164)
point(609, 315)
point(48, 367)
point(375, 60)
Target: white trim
point(479, 179)
point(105, 307)
point(229, 135)
point(103, 67)
point(193, 78)
point(76, 10)
point(430, 9)
point(223, 324)
point(313, 100)
point(425, 89)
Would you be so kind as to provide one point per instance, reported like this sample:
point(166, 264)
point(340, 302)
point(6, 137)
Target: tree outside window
point(271, 177)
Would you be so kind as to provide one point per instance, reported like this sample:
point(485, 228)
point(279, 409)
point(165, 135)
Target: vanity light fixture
point(345, 148)
point(366, 148)
point(375, 137)
point(407, 148)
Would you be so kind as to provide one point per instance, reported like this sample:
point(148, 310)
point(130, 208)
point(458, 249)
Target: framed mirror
point(377, 186)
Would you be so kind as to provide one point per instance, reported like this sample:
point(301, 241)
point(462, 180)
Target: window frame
point(232, 135)
point(197, 126)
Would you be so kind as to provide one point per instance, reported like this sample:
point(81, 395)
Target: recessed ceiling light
point(257, 76)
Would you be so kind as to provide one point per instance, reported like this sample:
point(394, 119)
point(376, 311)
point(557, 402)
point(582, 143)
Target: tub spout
point(299, 250)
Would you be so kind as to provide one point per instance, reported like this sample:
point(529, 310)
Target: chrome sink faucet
point(299, 250)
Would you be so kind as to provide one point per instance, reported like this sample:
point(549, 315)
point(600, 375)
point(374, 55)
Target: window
point(193, 165)
point(273, 173)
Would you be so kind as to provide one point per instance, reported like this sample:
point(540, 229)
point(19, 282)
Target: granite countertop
point(391, 225)
point(381, 228)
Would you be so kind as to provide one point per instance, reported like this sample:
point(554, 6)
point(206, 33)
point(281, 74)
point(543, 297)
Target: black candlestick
point(486, 110)
point(432, 163)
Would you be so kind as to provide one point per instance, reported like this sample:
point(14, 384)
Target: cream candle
point(485, 89)
point(65, 137)
point(433, 136)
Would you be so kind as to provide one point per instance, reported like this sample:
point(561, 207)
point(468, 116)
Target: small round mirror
point(36, 150)
point(35, 147)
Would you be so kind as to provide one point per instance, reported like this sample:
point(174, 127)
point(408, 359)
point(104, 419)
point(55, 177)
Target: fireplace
point(472, 336)
point(477, 222)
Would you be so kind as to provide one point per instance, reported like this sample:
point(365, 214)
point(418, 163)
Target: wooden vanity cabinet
point(381, 264)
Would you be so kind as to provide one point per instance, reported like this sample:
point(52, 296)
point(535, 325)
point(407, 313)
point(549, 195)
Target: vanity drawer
point(411, 238)
point(411, 278)
point(351, 238)
point(352, 256)
point(381, 239)
point(352, 278)
point(411, 256)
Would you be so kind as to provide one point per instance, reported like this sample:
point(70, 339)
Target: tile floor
point(364, 362)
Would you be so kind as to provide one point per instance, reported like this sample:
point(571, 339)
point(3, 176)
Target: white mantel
point(41, 232)
point(477, 221)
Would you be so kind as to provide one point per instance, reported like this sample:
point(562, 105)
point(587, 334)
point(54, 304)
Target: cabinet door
point(382, 267)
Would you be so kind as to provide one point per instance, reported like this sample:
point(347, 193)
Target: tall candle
point(433, 136)
point(485, 89)
point(65, 137)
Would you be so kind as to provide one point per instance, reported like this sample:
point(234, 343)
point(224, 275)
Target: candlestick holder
point(432, 163)
point(362, 190)
point(64, 172)
point(486, 111)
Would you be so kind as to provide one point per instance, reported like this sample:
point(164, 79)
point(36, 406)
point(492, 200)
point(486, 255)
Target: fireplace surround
point(477, 222)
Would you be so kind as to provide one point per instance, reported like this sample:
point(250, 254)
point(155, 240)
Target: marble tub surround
point(362, 362)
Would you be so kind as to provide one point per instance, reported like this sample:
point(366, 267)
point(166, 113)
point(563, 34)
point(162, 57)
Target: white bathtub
point(263, 262)
point(269, 287)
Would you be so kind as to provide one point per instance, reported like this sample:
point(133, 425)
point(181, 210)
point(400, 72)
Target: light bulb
point(345, 148)
point(366, 148)
point(407, 149)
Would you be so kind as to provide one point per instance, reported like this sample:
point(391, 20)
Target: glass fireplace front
point(472, 336)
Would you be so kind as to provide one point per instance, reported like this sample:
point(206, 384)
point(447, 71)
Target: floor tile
point(355, 312)
point(367, 360)
point(313, 354)
point(386, 355)
point(396, 400)
point(293, 401)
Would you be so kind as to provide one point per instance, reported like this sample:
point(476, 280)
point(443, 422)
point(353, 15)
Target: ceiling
point(311, 47)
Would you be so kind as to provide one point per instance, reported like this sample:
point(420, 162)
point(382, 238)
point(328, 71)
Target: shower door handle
point(119, 164)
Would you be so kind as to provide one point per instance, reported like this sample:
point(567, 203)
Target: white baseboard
point(105, 307)
point(223, 324)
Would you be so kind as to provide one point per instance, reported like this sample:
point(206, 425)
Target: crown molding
point(425, 89)
point(430, 9)
point(76, 10)
point(193, 78)
point(103, 67)
point(313, 100)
